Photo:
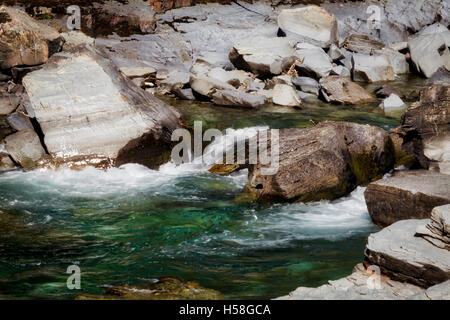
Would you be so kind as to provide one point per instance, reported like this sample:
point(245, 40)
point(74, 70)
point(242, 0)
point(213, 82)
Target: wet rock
point(235, 98)
point(362, 44)
point(311, 24)
point(225, 169)
point(340, 90)
point(427, 127)
point(325, 161)
point(372, 68)
point(87, 108)
point(393, 102)
point(25, 148)
point(404, 257)
point(166, 288)
point(263, 56)
point(306, 84)
point(23, 40)
point(406, 195)
point(206, 86)
point(355, 287)
point(386, 90)
point(429, 52)
point(313, 62)
point(437, 231)
point(5, 161)
point(286, 95)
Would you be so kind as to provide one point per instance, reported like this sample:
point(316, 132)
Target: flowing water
point(132, 224)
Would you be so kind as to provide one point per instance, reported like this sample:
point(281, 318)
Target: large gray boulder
point(206, 86)
point(372, 68)
point(263, 56)
point(312, 61)
point(234, 98)
point(406, 195)
point(286, 95)
point(341, 90)
point(427, 127)
point(87, 109)
point(325, 161)
point(429, 50)
point(23, 40)
point(404, 257)
point(311, 24)
point(305, 84)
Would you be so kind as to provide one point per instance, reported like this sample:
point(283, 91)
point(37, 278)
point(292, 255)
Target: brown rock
point(406, 195)
point(341, 90)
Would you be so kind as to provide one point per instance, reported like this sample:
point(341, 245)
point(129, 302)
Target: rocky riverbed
point(113, 93)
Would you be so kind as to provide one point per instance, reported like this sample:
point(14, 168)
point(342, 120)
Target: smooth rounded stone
point(309, 24)
point(437, 231)
point(176, 79)
point(262, 55)
point(73, 39)
point(355, 287)
point(340, 71)
point(403, 256)
point(23, 40)
point(305, 84)
point(317, 163)
point(286, 95)
point(87, 108)
point(386, 90)
point(138, 71)
point(184, 94)
point(360, 43)
point(19, 121)
point(206, 86)
point(25, 148)
point(238, 99)
point(427, 127)
point(393, 102)
point(335, 53)
point(429, 53)
point(372, 68)
point(406, 195)
point(412, 15)
point(341, 90)
point(313, 62)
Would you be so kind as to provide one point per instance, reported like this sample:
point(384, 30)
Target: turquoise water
point(130, 225)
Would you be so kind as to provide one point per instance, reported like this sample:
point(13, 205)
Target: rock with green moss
point(326, 161)
point(167, 288)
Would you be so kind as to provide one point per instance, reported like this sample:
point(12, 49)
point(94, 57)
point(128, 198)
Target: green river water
point(130, 225)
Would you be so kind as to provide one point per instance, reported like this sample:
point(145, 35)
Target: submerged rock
point(87, 108)
point(404, 257)
point(311, 24)
point(406, 195)
point(23, 40)
point(166, 288)
point(341, 90)
point(325, 161)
